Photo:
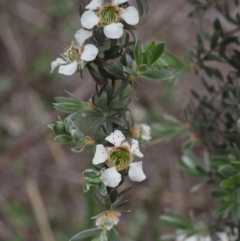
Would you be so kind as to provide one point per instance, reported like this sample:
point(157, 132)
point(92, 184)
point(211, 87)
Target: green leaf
point(176, 221)
point(122, 204)
point(76, 115)
point(108, 204)
point(123, 192)
point(167, 132)
point(112, 52)
point(69, 107)
point(104, 101)
point(69, 125)
point(217, 26)
point(85, 234)
point(98, 122)
point(142, 68)
point(135, 89)
point(63, 139)
point(103, 236)
point(116, 120)
point(114, 195)
point(214, 39)
point(129, 61)
point(158, 74)
point(93, 113)
point(89, 186)
point(78, 148)
point(189, 144)
point(158, 52)
point(228, 171)
point(77, 136)
point(115, 69)
point(172, 61)
point(160, 62)
point(138, 52)
point(145, 5)
point(103, 189)
point(236, 165)
point(66, 100)
point(219, 193)
point(140, 7)
point(95, 75)
point(229, 183)
point(91, 173)
point(121, 88)
point(114, 236)
point(129, 71)
point(191, 166)
point(218, 161)
point(60, 126)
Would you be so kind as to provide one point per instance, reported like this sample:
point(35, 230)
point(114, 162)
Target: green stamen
point(72, 53)
point(120, 159)
point(109, 14)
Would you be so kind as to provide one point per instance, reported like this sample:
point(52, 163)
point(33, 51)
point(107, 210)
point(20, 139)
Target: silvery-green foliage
point(212, 121)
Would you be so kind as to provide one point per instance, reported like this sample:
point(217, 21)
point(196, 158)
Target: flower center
point(109, 14)
point(120, 158)
point(72, 53)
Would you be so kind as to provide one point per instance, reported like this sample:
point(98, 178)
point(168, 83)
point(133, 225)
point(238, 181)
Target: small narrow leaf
point(229, 183)
point(138, 52)
point(121, 89)
point(63, 139)
point(158, 74)
point(114, 236)
point(85, 234)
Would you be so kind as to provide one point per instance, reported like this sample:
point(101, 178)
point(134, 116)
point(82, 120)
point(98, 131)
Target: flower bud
point(141, 132)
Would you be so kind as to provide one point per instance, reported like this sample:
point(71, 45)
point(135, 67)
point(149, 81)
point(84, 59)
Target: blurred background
point(40, 181)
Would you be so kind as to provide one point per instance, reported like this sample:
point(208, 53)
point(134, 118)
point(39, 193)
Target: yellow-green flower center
point(109, 14)
point(72, 53)
point(120, 158)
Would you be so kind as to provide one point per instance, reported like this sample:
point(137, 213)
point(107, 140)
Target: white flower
point(141, 132)
point(108, 219)
point(145, 132)
point(76, 55)
point(118, 158)
point(109, 16)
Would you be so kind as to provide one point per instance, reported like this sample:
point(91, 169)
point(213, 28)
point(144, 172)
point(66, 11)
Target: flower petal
point(130, 15)
point(89, 53)
point(135, 172)
point(135, 148)
point(113, 30)
point(68, 69)
point(94, 4)
point(111, 177)
point(100, 155)
point(116, 138)
point(89, 19)
point(82, 34)
point(117, 2)
point(57, 63)
point(116, 220)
